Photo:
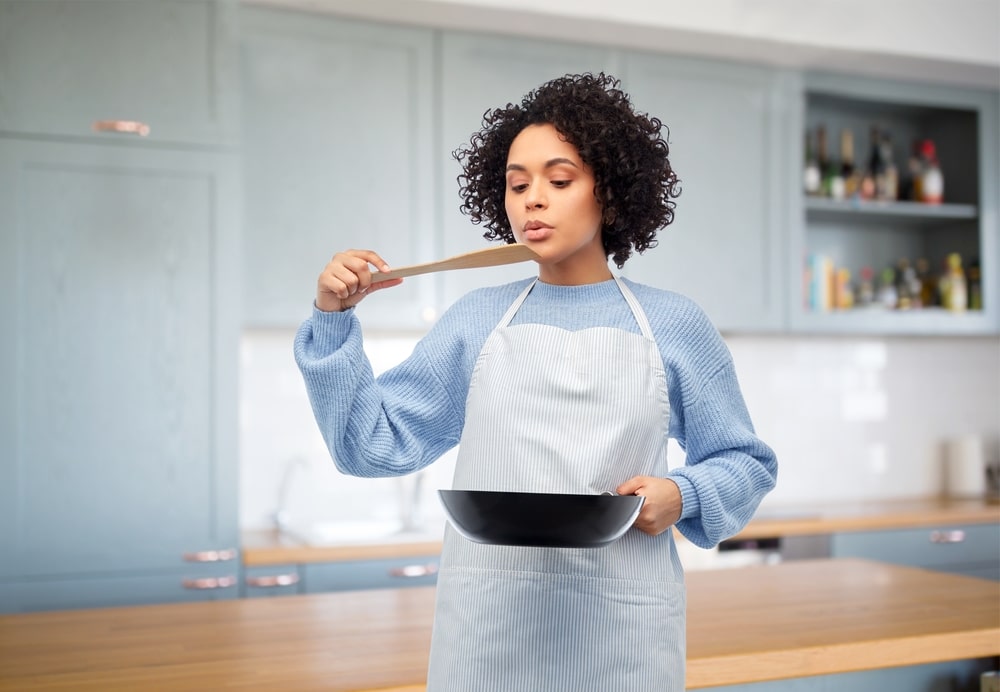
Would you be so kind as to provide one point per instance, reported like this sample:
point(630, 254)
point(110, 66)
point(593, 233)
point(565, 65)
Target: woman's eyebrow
point(548, 164)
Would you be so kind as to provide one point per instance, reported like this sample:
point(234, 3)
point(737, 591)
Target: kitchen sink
point(363, 531)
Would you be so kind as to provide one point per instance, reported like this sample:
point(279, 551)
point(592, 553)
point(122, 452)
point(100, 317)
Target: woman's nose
point(534, 200)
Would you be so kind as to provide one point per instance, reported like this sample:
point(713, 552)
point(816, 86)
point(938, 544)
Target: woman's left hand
point(662, 507)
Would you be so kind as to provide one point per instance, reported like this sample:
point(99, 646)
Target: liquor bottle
point(887, 294)
point(954, 296)
point(866, 287)
point(909, 185)
point(931, 178)
point(887, 186)
point(848, 172)
point(826, 166)
point(869, 186)
point(975, 281)
point(926, 283)
point(812, 178)
point(905, 277)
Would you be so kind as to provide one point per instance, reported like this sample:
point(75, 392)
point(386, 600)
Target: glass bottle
point(812, 178)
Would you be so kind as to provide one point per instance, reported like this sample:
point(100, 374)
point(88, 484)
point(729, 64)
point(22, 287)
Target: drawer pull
point(413, 571)
point(953, 536)
point(273, 581)
point(211, 555)
point(125, 127)
point(206, 583)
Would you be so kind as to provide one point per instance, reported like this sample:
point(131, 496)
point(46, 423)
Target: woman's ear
point(609, 216)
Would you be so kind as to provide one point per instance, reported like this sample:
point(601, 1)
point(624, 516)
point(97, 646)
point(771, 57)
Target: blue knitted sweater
point(410, 415)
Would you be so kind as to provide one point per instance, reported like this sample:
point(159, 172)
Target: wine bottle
point(848, 172)
point(812, 178)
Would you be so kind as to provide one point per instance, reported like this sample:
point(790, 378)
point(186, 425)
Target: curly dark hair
point(625, 150)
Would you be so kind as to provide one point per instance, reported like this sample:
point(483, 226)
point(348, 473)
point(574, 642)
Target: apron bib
point(550, 410)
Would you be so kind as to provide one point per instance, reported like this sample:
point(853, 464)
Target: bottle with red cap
point(929, 185)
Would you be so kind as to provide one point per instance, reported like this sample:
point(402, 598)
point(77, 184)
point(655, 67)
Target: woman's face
point(552, 208)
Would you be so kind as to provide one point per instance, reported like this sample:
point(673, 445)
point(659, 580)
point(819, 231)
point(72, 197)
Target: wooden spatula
point(489, 257)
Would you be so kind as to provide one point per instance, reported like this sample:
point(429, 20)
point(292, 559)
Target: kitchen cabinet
point(852, 234)
point(118, 280)
point(971, 550)
point(338, 153)
point(66, 65)
point(370, 574)
point(930, 677)
point(480, 73)
point(728, 127)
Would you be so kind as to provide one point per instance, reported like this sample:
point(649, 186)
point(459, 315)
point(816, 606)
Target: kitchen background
point(151, 281)
point(852, 418)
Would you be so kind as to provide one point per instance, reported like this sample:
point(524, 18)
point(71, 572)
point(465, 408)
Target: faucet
point(280, 516)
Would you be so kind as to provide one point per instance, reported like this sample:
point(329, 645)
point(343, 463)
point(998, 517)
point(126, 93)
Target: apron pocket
point(514, 631)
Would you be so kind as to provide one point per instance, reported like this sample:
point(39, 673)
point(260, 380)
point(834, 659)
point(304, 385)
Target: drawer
point(936, 547)
point(370, 574)
point(273, 580)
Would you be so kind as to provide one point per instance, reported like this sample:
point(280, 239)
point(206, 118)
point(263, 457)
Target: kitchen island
point(797, 619)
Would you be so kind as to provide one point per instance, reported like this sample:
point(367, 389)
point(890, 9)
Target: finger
point(370, 257)
point(632, 486)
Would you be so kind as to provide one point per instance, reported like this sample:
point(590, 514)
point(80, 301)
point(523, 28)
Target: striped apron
point(551, 410)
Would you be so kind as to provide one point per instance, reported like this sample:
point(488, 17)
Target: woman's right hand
point(347, 280)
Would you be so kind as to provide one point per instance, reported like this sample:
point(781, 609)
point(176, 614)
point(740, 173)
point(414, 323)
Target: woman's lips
point(536, 230)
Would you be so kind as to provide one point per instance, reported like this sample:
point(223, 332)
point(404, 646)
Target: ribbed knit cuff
point(691, 506)
point(331, 329)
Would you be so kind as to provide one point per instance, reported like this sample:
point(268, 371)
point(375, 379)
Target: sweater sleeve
point(728, 468)
point(387, 426)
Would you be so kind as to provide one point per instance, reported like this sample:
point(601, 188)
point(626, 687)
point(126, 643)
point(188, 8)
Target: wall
point(850, 418)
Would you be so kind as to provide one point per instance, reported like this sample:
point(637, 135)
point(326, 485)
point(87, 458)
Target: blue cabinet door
point(66, 65)
point(727, 127)
point(972, 550)
point(479, 73)
point(338, 153)
point(117, 414)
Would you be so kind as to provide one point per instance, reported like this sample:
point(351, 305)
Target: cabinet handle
point(206, 583)
point(413, 571)
point(273, 580)
point(125, 127)
point(211, 555)
point(953, 536)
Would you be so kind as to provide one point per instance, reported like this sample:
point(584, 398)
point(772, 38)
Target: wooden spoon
point(488, 257)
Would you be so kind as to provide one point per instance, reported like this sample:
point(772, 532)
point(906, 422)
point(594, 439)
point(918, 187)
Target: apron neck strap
point(633, 303)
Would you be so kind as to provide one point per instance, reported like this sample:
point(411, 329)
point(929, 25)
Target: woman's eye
point(561, 183)
point(518, 188)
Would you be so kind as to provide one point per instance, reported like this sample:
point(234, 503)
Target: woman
point(570, 383)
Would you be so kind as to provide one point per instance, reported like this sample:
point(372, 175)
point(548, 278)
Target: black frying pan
point(542, 520)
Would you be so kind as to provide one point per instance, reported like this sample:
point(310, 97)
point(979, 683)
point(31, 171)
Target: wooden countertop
point(261, 548)
point(744, 625)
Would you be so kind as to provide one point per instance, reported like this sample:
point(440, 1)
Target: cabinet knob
point(273, 581)
point(953, 536)
point(211, 555)
point(206, 583)
point(414, 571)
point(125, 127)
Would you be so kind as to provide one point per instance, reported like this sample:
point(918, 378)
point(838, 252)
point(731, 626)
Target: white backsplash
point(850, 418)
